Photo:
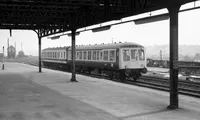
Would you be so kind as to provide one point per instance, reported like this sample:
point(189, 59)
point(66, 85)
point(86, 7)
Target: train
point(121, 60)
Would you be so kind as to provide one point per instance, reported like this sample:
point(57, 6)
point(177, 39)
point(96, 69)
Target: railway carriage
point(54, 57)
point(117, 59)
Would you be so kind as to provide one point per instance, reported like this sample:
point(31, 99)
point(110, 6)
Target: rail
point(184, 87)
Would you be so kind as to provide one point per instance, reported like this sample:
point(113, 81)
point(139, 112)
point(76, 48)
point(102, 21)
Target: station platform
point(29, 95)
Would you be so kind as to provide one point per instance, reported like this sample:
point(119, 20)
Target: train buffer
point(50, 95)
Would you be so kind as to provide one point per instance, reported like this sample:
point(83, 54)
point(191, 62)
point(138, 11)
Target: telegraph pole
point(3, 59)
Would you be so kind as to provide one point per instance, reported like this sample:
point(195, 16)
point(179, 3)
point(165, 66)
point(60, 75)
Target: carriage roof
point(100, 46)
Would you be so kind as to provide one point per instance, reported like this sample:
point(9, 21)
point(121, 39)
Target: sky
point(156, 33)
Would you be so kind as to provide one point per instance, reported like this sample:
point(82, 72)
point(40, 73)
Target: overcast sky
point(156, 33)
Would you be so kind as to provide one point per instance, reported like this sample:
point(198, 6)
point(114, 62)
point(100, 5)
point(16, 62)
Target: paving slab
point(93, 98)
point(23, 99)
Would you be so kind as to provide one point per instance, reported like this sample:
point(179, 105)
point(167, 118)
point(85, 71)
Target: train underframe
point(121, 74)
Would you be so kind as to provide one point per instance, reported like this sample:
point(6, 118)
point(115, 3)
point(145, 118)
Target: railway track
point(184, 87)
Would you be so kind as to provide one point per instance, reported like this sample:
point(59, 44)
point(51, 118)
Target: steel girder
point(54, 16)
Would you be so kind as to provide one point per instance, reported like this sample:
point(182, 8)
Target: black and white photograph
point(99, 60)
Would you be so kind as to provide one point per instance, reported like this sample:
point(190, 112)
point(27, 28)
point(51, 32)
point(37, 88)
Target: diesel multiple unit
point(116, 60)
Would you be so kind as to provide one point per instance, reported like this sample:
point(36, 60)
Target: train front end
point(133, 61)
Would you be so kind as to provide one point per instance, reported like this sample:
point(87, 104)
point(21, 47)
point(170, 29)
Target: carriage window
point(85, 55)
point(112, 55)
point(77, 54)
point(126, 55)
point(101, 55)
point(97, 55)
point(94, 55)
point(80, 56)
point(89, 55)
point(133, 54)
point(105, 55)
point(64, 54)
point(141, 54)
point(69, 55)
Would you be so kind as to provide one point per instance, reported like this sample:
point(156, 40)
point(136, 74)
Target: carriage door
point(134, 58)
point(124, 61)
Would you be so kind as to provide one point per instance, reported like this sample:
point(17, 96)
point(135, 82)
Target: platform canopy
point(54, 16)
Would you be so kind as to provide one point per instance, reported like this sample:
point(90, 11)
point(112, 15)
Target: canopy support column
point(73, 51)
point(173, 12)
point(39, 54)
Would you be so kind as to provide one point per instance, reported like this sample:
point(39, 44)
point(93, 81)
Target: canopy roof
point(54, 16)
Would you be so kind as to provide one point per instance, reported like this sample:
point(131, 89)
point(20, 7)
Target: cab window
point(134, 54)
point(141, 54)
point(112, 55)
point(126, 55)
point(105, 55)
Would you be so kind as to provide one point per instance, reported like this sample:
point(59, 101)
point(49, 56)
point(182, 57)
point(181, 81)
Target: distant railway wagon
point(117, 59)
point(186, 67)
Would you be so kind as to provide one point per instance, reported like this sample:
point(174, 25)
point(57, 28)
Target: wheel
point(122, 76)
point(137, 75)
point(111, 75)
